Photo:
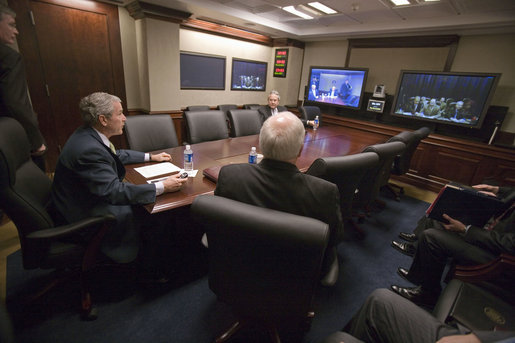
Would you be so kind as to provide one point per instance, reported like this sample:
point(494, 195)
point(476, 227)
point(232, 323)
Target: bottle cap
point(253, 148)
point(188, 147)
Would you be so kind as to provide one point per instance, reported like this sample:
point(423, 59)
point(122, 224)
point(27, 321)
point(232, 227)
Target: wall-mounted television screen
point(446, 97)
point(337, 86)
point(248, 75)
point(200, 71)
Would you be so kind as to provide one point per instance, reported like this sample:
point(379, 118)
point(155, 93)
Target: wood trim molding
point(225, 30)
point(450, 41)
point(139, 10)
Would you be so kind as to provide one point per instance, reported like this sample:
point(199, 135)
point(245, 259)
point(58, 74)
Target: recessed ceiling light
point(292, 10)
point(400, 2)
point(321, 7)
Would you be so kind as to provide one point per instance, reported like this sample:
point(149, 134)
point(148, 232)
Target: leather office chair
point(150, 132)
point(475, 307)
point(346, 172)
point(205, 126)
point(25, 197)
point(263, 263)
point(244, 122)
point(251, 106)
point(402, 162)
point(376, 177)
point(198, 108)
point(310, 112)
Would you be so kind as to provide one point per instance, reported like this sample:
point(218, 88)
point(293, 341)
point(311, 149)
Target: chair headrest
point(14, 146)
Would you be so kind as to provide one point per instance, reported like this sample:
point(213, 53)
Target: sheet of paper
point(191, 173)
point(157, 169)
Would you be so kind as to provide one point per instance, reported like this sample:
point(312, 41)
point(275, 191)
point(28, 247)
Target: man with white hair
point(277, 183)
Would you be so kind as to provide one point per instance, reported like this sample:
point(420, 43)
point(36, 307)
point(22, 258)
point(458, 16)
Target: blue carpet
point(185, 310)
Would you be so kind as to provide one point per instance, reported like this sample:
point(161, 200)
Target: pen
point(157, 180)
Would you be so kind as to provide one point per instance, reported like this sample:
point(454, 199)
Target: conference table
point(327, 141)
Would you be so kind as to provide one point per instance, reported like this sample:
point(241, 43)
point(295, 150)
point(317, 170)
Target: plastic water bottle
point(315, 124)
point(188, 158)
point(253, 155)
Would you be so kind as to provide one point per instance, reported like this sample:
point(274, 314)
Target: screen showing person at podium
point(337, 86)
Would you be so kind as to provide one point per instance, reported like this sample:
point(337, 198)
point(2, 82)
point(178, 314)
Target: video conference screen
point(451, 98)
point(337, 86)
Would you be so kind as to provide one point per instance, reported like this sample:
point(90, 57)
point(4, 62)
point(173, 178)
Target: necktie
point(112, 148)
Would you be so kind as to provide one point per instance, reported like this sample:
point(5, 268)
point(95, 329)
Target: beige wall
point(479, 53)
point(493, 54)
point(151, 52)
point(151, 62)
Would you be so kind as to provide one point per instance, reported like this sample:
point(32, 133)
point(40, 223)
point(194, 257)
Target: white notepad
point(157, 169)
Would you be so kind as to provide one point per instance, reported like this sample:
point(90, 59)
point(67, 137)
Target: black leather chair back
point(422, 133)
point(24, 188)
point(205, 126)
point(251, 106)
point(402, 162)
point(346, 172)
point(198, 108)
point(264, 263)
point(310, 112)
point(377, 177)
point(150, 132)
point(244, 122)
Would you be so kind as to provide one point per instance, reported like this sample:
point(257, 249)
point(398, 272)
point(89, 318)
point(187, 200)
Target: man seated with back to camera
point(273, 108)
point(89, 177)
point(437, 242)
point(277, 183)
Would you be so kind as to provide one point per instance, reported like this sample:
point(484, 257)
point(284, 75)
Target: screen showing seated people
point(337, 86)
point(451, 98)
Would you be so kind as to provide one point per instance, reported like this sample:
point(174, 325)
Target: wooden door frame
point(29, 49)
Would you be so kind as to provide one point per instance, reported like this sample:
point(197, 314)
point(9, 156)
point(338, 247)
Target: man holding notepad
point(465, 244)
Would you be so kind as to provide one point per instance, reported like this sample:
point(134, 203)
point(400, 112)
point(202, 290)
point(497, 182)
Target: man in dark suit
point(14, 99)
point(464, 244)
point(388, 318)
point(276, 183)
point(272, 108)
point(89, 176)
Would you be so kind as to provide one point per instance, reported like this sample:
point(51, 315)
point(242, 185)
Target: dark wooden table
point(327, 141)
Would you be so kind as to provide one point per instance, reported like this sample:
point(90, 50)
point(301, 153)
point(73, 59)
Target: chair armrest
point(486, 271)
point(68, 229)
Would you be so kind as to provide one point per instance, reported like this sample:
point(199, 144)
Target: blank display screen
point(202, 71)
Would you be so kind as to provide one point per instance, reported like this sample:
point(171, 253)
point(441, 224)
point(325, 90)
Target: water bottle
point(315, 124)
point(188, 158)
point(253, 155)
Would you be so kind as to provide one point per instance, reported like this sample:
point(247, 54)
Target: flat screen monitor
point(337, 86)
point(454, 98)
point(248, 75)
point(200, 71)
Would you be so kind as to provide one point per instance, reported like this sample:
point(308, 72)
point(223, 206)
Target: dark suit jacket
point(266, 111)
point(281, 186)
point(88, 181)
point(14, 100)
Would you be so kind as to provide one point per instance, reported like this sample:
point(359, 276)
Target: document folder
point(465, 204)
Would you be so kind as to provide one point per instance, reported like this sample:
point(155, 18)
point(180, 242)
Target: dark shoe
point(416, 294)
point(403, 273)
point(405, 248)
point(410, 237)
